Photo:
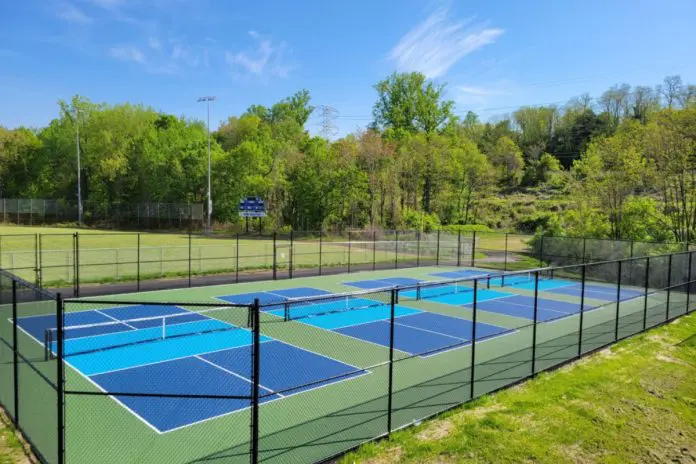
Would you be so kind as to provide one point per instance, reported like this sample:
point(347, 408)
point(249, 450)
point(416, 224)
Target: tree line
point(623, 161)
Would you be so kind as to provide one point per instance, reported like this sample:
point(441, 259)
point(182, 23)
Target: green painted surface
point(316, 424)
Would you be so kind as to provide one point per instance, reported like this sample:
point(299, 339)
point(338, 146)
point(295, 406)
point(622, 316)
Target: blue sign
point(252, 207)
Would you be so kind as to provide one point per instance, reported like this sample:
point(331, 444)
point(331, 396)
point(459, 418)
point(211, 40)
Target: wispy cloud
point(480, 97)
point(436, 44)
point(71, 13)
point(154, 43)
point(128, 53)
point(269, 58)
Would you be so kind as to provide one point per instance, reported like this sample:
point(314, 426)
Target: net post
point(396, 250)
point(391, 359)
point(583, 278)
point(437, 252)
point(618, 300)
point(236, 259)
point(505, 260)
point(349, 250)
point(669, 284)
point(15, 354)
point(137, 272)
point(541, 252)
point(459, 247)
point(60, 380)
point(275, 255)
point(290, 253)
point(286, 311)
point(256, 364)
point(647, 290)
point(189, 258)
point(473, 249)
point(536, 321)
point(321, 243)
point(688, 285)
point(473, 342)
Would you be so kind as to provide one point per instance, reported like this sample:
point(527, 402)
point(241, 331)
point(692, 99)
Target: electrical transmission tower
point(328, 115)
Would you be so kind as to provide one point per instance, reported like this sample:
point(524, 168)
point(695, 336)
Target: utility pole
point(210, 192)
point(79, 182)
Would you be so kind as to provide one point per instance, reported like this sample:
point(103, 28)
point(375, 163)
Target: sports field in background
point(108, 256)
point(339, 351)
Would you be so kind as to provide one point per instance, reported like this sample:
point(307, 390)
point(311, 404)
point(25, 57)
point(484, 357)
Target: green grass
point(108, 256)
point(11, 448)
point(634, 402)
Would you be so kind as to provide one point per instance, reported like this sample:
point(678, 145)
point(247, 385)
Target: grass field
point(107, 256)
point(634, 402)
point(316, 424)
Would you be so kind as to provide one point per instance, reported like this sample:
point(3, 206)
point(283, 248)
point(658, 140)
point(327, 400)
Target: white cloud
point(69, 12)
point(267, 59)
point(436, 44)
point(154, 43)
point(479, 97)
point(128, 53)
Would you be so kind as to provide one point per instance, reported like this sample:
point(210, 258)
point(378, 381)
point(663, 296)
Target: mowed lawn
point(112, 255)
point(633, 402)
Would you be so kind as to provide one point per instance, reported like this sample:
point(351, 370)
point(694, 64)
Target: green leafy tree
point(507, 159)
point(407, 102)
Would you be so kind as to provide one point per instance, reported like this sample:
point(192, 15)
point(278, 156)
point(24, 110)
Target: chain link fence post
point(473, 249)
point(137, 270)
point(255, 385)
point(60, 380)
point(472, 379)
point(321, 243)
point(647, 290)
point(536, 321)
point(688, 285)
point(669, 285)
point(618, 300)
point(583, 281)
point(275, 255)
point(391, 359)
point(15, 354)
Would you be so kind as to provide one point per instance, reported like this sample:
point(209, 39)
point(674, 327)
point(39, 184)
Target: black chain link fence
point(276, 378)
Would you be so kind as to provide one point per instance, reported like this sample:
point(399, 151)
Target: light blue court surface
point(386, 282)
point(182, 352)
point(415, 331)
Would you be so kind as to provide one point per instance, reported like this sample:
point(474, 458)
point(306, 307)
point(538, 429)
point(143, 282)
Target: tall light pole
point(210, 194)
point(79, 183)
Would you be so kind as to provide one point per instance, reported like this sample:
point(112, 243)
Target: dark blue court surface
point(461, 274)
point(523, 307)
point(415, 331)
point(182, 352)
point(598, 292)
point(386, 282)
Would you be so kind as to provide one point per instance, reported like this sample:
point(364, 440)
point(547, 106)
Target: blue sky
point(493, 55)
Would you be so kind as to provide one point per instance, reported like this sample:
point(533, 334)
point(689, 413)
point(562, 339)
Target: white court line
point(227, 371)
point(97, 386)
point(114, 319)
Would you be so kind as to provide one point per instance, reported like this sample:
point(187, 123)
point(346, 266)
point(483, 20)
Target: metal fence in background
point(141, 261)
point(155, 215)
point(390, 386)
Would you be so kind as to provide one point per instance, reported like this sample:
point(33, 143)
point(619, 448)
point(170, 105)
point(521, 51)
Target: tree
point(407, 102)
point(611, 171)
point(644, 102)
point(507, 158)
point(614, 102)
point(671, 90)
point(536, 125)
point(471, 176)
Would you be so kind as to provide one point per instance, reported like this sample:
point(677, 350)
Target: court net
point(301, 308)
point(427, 290)
point(101, 336)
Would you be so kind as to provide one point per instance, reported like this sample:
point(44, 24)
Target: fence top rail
point(28, 285)
point(613, 261)
point(101, 301)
